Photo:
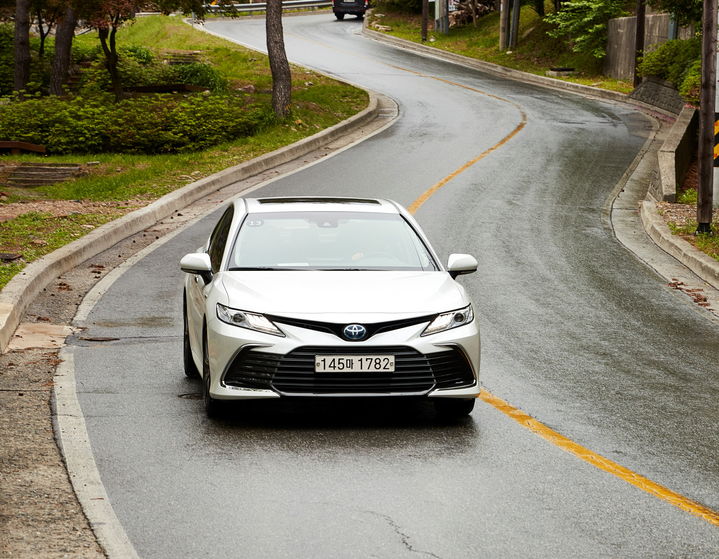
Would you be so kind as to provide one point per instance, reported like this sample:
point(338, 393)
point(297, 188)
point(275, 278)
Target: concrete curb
point(675, 155)
point(74, 442)
point(701, 264)
point(495, 69)
point(17, 295)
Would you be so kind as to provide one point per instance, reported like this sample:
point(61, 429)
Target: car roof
point(319, 204)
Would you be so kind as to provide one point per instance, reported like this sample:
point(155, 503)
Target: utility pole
point(441, 22)
point(707, 117)
point(639, 40)
point(716, 104)
point(504, 24)
point(514, 28)
point(425, 17)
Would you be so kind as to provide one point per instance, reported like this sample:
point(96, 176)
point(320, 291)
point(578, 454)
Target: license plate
point(354, 363)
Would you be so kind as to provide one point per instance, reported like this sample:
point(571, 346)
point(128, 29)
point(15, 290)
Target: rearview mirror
point(197, 263)
point(459, 264)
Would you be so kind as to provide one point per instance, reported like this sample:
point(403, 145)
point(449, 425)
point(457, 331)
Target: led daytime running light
point(449, 320)
point(249, 320)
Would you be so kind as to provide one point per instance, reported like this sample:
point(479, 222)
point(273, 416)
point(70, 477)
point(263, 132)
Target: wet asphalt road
point(576, 332)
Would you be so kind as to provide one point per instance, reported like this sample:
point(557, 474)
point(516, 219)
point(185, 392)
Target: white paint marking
point(75, 447)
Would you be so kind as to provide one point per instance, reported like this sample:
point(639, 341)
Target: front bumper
point(248, 365)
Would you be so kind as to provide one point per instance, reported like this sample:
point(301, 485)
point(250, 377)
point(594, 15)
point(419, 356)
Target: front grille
point(338, 328)
point(252, 369)
point(293, 374)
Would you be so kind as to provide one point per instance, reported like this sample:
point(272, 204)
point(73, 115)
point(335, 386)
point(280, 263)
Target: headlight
point(244, 319)
point(449, 320)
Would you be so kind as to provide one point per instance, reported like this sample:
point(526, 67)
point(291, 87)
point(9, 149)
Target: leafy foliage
point(147, 124)
point(405, 6)
point(6, 58)
point(201, 74)
point(690, 87)
point(685, 11)
point(584, 22)
point(678, 62)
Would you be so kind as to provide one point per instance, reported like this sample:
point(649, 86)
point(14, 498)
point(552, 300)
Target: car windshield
point(328, 241)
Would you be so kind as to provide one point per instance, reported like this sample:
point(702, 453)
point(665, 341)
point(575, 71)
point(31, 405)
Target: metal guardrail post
point(262, 6)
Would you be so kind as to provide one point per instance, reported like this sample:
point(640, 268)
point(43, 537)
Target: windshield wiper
point(261, 269)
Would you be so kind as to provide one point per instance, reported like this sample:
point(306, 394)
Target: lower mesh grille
point(252, 369)
point(293, 373)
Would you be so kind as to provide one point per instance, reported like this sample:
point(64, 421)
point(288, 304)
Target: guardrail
point(262, 6)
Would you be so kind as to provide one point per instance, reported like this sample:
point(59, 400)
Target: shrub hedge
point(679, 62)
point(147, 124)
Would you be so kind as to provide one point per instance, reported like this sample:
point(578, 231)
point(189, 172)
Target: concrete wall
point(675, 155)
point(619, 62)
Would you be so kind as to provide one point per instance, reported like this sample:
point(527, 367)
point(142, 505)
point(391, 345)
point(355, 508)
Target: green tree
point(584, 22)
point(686, 12)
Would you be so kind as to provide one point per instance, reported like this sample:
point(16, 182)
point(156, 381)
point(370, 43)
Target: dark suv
point(354, 7)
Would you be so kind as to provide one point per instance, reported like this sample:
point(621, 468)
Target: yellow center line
point(426, 195)
point(599, 461)
point(526, 420)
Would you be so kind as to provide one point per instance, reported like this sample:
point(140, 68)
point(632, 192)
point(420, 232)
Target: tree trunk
point(539, 7)
point(22, 44)
point(63, 51)
point(281, 76)
point(108, 34)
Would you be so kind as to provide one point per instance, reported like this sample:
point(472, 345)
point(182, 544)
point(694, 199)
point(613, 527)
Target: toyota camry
point(328, 297)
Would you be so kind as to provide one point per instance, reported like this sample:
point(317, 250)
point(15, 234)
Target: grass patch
point(317, 103)
point(705, 242)
point(535, 53)
point(36, 234)
point(688, 196)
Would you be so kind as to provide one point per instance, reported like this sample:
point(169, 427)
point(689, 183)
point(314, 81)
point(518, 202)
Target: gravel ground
point(39, 513)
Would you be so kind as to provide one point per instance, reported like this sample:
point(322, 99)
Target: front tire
point(454, 408)
point(187, 360)
point(339, 15)
point(212, 406)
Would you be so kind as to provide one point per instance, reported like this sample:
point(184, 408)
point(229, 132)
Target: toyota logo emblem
point(354, 332)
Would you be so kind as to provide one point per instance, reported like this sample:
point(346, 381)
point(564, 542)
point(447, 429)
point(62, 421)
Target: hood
point(356, 296)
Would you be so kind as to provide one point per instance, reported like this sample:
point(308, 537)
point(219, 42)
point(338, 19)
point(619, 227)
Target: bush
point(671, 60)
point(148, 124)
point(691, 85)
point(202, 75)
point(679, 63)
point(584, 22)
point(139, 54)
point(85, 53)
point(6, 58)
point(39, 69)
point(405, 6)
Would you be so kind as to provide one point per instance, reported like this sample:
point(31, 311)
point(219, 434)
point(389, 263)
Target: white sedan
point(328, 297)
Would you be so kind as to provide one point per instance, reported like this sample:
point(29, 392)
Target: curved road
point(576, 332)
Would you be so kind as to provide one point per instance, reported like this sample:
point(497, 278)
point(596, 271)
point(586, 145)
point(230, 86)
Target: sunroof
point(323, 200)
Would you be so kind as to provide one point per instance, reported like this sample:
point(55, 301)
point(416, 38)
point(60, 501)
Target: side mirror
point(459, 264)
point(197, 263)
